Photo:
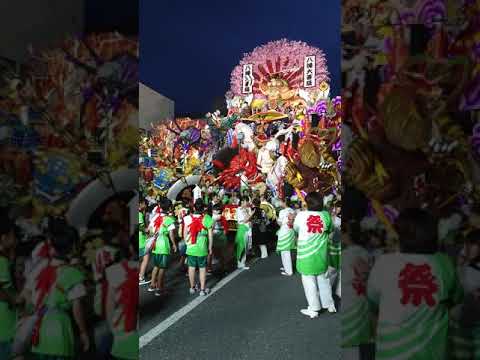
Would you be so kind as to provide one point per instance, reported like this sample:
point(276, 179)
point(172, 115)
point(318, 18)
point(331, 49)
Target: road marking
point(172, 319)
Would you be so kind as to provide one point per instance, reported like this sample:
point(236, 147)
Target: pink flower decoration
point(282, 57)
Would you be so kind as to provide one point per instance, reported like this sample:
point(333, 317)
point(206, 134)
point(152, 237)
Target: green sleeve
point(207, 222)
point(168, 221)
point(327, 219)
point(450, 276)
point(141, 221)
point(70, 277)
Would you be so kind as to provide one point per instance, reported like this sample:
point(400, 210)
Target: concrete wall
point(154, 107)
point(41, 23)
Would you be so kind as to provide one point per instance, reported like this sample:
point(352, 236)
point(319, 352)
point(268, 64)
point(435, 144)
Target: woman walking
point(244, 233)
point(286, 237)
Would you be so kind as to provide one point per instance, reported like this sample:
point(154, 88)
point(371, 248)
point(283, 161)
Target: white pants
point(263, 251)
point(287, 261)
point(335, 277)
point(317, 291)
point(241, 262)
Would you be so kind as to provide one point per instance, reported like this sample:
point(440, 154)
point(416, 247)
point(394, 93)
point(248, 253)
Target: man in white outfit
point(314, 227)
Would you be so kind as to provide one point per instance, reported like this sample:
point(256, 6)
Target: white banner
point(309, 79)
point(247, 87)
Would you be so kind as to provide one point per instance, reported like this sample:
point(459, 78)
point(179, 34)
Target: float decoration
point(281, 127)
point(419, 158)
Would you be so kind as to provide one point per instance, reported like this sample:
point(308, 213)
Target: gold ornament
point(293, 176)
point(309, 154)
point(404, 126)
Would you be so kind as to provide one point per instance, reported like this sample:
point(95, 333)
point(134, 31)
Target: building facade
point(153, 107)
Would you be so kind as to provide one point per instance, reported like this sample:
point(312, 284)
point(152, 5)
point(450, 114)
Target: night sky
point(189, 48)
point(112, 15)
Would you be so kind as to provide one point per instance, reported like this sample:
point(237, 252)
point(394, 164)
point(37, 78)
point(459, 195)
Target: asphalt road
point(254, 316)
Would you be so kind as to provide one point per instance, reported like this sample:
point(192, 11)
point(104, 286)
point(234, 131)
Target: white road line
point(172, 319)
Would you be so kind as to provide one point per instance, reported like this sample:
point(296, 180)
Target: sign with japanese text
point(247, 87)
point(309, 79)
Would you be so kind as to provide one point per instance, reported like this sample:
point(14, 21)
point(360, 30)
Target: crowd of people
point(418, 299)
point(54, 305)
point(196, 232)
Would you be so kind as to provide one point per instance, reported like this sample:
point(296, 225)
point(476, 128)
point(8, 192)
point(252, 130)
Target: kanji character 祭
point(359, 283)
point(314, 224)
point(417, 284)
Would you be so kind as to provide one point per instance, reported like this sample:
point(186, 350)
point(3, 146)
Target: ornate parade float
point(69, 132)
point(280, 135)
point(411, 140)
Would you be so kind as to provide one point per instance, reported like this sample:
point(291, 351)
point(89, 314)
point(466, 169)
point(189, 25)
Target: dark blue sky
point(110, 15)
point(189, 48)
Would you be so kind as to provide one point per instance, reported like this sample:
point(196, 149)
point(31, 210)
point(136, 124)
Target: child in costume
point(198, 234)
point(465, 320)
point(355, 315)
point(412, 292)
point(7, 289)
point(56, 290)
point(313, 227)
point(286, 237)
point(142, 241)
point(122, 304)
point(164, 230)
point(244, 234)
point(220, 229)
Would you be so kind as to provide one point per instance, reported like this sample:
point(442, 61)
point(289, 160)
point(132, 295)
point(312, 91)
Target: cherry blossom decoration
point(283, 59)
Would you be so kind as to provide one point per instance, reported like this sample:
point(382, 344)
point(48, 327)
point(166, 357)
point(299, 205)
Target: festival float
point(413, 140)
point(69, 126)
point(279, 138)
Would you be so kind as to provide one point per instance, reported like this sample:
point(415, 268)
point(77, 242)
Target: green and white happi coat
point(313, 229)
point(355, 315)
point(162, 244)
point(56, 334)
point(286, 236)
point(243, 237)
point(200, 248)
point(125, 343)
point(411, 293)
